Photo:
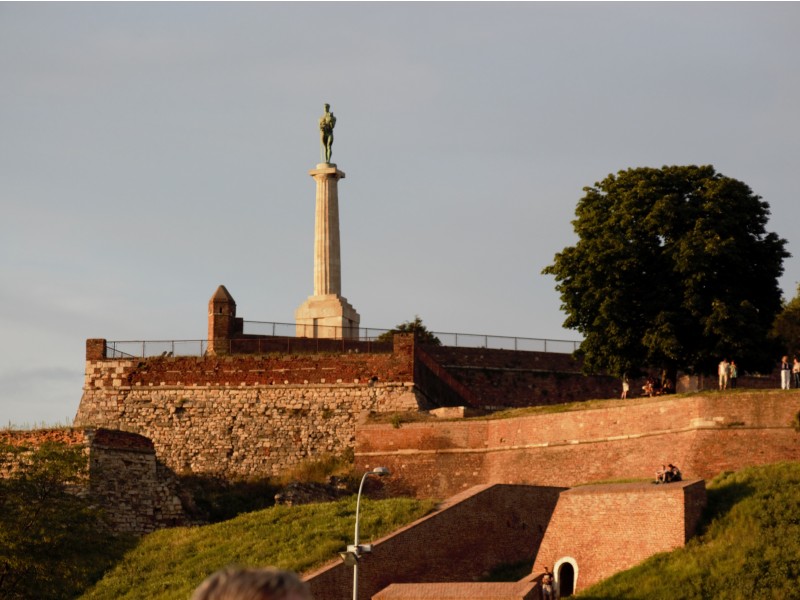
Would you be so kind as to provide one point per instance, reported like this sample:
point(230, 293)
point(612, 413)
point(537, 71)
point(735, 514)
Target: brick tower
point(222, 321)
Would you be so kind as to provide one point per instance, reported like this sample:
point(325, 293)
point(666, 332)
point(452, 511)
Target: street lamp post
point(354, 552)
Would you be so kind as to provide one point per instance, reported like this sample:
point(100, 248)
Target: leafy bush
point(53, 543)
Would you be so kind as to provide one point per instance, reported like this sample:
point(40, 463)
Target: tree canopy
point(53, 542)
point(787, 326)
point(673, 269)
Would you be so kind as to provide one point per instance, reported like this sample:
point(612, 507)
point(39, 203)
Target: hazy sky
point(150, 152)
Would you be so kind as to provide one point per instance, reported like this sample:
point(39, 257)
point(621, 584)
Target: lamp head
point(381, 471)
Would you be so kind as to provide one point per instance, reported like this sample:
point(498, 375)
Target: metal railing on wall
point(285, 338)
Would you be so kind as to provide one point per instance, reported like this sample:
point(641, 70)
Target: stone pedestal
point(327, 314)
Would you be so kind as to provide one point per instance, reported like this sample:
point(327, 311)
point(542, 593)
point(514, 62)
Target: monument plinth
point(327, 314)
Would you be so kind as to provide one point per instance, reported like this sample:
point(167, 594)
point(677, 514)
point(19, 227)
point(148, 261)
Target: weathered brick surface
point(703, 434)
point(507, 378)
point(124, 476)
point(470, 533)
point(460, 591)
point(605, 529)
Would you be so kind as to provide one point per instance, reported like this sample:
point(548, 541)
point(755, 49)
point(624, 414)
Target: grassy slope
point(169, 564)
point(750, 547)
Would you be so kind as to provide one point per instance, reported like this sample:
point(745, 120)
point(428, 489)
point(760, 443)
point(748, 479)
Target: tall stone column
point(327, 256)
point(327, 314)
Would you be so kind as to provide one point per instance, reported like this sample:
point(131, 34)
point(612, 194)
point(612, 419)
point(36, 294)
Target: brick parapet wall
point(605, 529)
point(247, 370)
point(123, 476)
point(703, 434)
point(461, 591)
point(508, 378)
point(495, 525)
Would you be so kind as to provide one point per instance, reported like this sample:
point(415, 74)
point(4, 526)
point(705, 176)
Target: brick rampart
point(124, 476)
point(469, 535)
point(508, 378)
point(703, 434)
point(603, 529)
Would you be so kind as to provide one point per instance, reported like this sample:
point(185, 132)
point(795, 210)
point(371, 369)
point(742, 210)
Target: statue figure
point(326, 124)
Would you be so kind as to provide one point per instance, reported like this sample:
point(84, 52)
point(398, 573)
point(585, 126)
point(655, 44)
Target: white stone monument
point(327, 314)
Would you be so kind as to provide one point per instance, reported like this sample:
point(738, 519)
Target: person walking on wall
point(724, 372)
point(627, 386)
point(786, 371)
point(734, 373)
point(796, 372)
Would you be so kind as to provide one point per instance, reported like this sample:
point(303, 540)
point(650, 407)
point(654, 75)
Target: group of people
point(668, 474)
point(790, 373)
point(652, 387)
point(728, 374)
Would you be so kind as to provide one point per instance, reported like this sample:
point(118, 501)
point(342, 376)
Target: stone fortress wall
point(246, 415)
point(136, 492)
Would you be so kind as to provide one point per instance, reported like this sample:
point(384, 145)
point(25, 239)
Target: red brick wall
point(605, 529)
point(265, 370)
point(507, 378)
point(470, 534)
point(702, 434)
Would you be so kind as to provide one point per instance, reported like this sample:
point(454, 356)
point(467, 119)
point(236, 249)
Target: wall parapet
point(703, 434)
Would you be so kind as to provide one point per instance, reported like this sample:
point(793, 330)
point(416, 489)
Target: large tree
point(673, 269)
point(787, 326)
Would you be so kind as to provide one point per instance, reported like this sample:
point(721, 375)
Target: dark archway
point(566, 580)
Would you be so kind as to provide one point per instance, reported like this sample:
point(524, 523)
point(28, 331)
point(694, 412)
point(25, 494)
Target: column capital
point(326, 170)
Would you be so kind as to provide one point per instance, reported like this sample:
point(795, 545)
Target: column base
point(329, 316)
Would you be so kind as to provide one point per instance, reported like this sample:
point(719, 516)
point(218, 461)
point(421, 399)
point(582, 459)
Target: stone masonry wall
point(242, 432)
point(703, 434)
point(246, 415)
point(124, 478)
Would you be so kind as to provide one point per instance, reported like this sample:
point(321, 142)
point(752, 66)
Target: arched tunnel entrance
point(565, 579)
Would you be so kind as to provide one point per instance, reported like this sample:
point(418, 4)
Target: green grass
point(749, 548)
point(169, 564)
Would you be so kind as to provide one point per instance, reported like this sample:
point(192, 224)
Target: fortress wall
point(605, 529)
point(702, 434)
point(256, 430)
point(246, 415)
point(124, 478)
point(507, 378)
point(494, 524)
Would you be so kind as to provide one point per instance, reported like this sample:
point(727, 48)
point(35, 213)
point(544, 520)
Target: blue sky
point(153, 151)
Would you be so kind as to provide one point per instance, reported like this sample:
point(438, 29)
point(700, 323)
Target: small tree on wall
point(416, 327)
